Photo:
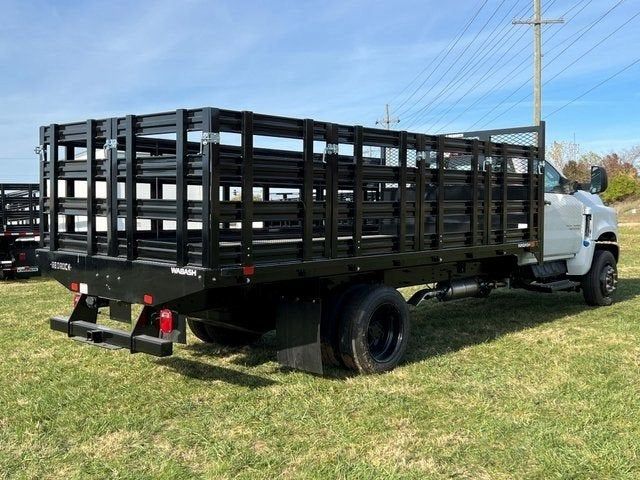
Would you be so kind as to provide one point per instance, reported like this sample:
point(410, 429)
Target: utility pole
point(387, 121)
point(537, 21)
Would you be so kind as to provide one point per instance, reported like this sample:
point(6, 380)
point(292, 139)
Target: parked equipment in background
point(237, 223)
point(19, 230)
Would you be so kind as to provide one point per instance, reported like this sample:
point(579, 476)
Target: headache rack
point(221, 197)
point(19, 205)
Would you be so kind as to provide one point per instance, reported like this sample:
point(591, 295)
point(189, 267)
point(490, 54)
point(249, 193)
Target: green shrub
point(621, 186)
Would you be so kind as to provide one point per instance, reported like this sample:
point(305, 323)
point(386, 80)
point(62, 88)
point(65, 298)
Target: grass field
point(520, 385)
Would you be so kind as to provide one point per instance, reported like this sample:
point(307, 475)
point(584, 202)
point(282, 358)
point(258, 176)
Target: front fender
point(604, 227)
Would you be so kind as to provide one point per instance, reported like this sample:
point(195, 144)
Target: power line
point(447, 49)
point(459, 37)
point(474, 63)
point(563, 70)
point(619, 72)
point(515, 71)
point(490, 71)
point(464, 51)
point(582, 34)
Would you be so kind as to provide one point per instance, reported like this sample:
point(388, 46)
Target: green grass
point(520, 385)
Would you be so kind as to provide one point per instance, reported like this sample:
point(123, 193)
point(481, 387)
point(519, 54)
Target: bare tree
point(632, 156)
point(561, 153)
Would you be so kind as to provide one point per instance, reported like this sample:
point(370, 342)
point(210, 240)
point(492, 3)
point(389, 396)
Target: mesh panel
point(527, 139)
point(391, 158)
point(458, 162)
point(518, 165)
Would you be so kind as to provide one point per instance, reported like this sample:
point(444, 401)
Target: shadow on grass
point(208, 372)
point(442, 328)
point(437, 328)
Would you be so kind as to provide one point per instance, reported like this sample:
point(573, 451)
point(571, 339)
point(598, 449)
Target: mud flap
point(120, 311)
point(298, 335)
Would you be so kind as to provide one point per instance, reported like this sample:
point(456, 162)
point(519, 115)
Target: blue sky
point(331, 60)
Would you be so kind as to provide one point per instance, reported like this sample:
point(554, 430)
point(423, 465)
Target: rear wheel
point(199, 329)
point(333, 307)
point(221, 335)
point(601, 282)
point(374, 330)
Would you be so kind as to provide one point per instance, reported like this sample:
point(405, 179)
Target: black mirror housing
point(599, 180)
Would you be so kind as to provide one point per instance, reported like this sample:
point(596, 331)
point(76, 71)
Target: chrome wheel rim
point(608, 280)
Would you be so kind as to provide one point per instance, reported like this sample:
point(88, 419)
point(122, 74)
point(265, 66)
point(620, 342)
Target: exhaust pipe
point(455, 290)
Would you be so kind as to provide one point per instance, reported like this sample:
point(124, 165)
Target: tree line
point(622, 168)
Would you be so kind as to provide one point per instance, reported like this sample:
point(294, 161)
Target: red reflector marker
point(22, 257)
point(248, 270)
point(166, 321)
point(147, 299)
point(75, 287)
point(76, 299)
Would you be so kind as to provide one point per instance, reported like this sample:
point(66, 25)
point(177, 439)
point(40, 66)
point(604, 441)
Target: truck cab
point(580, 232)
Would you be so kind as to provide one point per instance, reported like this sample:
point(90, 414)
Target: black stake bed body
point(19, 219)
point(201, 209)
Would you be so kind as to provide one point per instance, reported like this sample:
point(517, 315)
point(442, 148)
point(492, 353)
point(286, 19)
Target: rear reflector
point(75, 287)
point(22, 256)
point(76, 299)
point(147, 299)
point(166, 321)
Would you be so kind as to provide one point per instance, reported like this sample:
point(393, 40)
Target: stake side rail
point(19, 209)
point(229, 195)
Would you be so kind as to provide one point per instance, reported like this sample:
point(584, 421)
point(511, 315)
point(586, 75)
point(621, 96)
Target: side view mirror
point(599, 180)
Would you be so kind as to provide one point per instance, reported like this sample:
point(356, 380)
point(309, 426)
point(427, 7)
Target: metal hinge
point(482, 166)
point(39, 150)
point(422, 155)
point(210, 137)
point(331, 149)
point(540, 167)
point(111, 143)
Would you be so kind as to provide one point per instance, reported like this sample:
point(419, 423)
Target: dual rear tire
point(367, 329)
point(363, 327)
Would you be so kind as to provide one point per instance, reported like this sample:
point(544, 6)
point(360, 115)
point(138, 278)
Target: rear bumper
point(101, 335)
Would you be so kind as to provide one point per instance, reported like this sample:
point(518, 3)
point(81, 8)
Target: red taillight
point(147, 299)
point(248, 270)
point(166, 321)
point(74, 287)
point(22, 256)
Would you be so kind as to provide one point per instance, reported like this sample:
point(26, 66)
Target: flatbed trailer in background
point(19, 229)
point(238, 223)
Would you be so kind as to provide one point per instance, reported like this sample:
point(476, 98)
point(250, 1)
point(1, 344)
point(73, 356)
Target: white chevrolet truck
point(324, 233)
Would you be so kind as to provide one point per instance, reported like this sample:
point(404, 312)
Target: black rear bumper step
point(102, 335)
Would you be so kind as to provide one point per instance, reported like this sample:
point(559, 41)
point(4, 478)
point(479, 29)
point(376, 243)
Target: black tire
point(374, 331)
point(199, 329)
point(600, 283)
point(330, 324)
point(221, 335)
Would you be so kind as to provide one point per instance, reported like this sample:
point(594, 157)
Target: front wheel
point(601, 282)
point(374, 330)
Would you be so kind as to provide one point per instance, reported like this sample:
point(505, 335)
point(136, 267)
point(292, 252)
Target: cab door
point(563, 217)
